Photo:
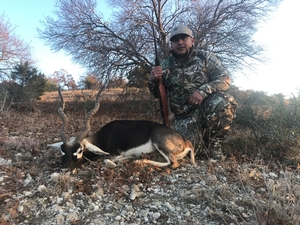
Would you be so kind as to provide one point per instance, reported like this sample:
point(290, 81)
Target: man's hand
point(196, 98)
point(156, 73)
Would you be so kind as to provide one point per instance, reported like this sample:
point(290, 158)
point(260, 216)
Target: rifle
point(161, 87)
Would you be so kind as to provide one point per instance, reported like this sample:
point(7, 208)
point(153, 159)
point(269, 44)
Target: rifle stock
point(163, 101)
point(161, 87)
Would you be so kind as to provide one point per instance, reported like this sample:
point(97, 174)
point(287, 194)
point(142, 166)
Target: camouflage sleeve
point(219, 79)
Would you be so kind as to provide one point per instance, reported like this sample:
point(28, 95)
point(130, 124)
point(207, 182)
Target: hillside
point(248, 187)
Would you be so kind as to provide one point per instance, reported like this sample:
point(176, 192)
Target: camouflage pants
point(208, 123)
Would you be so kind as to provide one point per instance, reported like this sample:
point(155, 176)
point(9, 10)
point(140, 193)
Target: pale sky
point(280, 35)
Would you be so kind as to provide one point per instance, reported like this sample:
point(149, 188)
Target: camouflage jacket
point(201, 71)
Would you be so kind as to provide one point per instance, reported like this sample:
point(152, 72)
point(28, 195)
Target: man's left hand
point(196, 98)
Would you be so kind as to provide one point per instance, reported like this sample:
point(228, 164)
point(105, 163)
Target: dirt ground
point(35, 189)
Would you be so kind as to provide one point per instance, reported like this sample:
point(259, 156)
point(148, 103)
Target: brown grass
point(24, 136)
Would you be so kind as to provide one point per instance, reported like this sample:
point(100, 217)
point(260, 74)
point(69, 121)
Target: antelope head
point(73, 149)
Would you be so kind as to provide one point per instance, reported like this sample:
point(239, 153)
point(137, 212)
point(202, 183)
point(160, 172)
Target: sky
point(279, 35)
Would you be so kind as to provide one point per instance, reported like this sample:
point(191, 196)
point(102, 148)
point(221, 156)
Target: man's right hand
point(156, 73)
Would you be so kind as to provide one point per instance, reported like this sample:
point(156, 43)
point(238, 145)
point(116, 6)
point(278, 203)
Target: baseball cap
point(181, 29)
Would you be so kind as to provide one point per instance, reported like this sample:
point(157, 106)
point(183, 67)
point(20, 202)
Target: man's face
point(181, 43)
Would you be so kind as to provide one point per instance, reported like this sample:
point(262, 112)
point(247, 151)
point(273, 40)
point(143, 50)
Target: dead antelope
point(125, 138)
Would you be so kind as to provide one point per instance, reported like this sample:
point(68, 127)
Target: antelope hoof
point(175, 165)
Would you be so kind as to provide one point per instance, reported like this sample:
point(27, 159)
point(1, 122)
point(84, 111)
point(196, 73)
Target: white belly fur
point(145, 148)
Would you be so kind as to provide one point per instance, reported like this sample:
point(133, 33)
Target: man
point(195, 83)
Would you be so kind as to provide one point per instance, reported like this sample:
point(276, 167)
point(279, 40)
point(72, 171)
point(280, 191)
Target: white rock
point(153, 208)
point(42, 188)
point(109, 163)
point(245, 215)
point(59, 200)
point(55, 176)
point(27, 181)
point(19, 157)
point(203, 182)
point(27, 193)
point(171, 208)
point(20, 208)
point(4, 162)
point(224, 179)
point(143, 213)
point(67, 197)
point(72, 216)
point(129, 208)
point(156, 215)
point(187, 214)
point(135, 192)
point(118, 218)
point(273, 175)
point(96, 207)
point(60, 219)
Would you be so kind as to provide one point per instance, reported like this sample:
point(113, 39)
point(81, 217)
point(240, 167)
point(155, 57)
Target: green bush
point(25, 86)
point(270, 123)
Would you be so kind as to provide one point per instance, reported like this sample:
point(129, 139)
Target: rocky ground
point(209, 193)
point(34, 189)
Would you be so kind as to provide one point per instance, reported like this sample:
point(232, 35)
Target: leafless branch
point(13, 50)
point(114, 48)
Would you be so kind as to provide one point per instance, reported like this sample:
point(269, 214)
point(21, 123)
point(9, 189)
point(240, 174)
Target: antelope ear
point(55, 145)
point(93, 148)
point(58, 144)
point(72, 139)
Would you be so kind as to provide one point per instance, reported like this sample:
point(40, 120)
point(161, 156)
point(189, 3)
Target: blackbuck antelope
point(124, 138)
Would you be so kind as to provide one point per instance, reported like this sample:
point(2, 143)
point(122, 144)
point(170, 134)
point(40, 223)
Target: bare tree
point(65, 79)
point(116, 47)
point(13, 50)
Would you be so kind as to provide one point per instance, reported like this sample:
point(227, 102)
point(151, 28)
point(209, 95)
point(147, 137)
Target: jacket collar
point(189, 56)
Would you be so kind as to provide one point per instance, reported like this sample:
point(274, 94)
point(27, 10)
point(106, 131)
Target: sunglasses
point(178, 37)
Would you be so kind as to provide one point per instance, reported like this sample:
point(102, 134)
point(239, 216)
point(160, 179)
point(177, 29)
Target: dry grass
point(24, 137)
point(81, 95)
